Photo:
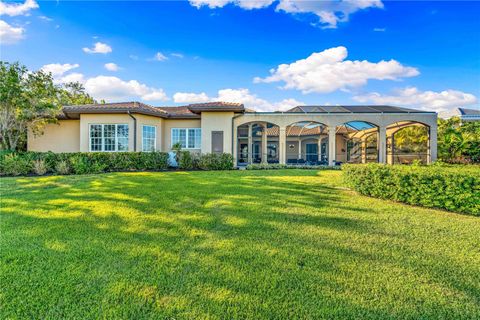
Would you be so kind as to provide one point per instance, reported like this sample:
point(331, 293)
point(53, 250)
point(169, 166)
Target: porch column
point(391, 156)
point(382, 144)
point(249, 148)
point(331, 145)
point(299, 148)
point(364, 150)
point(264, 143)
point(282, 145)
point(432, 144)
point(319, 148)
point(235, 146)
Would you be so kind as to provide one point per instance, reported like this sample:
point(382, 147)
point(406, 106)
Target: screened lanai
point(313, 135)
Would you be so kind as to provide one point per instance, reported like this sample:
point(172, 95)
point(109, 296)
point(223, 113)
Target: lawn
point(229, 245)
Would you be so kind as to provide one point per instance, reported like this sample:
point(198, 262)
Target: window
point(108, 137)
point(149, 138)
point(188, 138)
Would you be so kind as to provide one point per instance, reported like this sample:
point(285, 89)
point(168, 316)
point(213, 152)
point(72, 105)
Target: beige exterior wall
point(216, 121)
point(61, 137)
point(149, 121)
point(87, 119)
point(169, 124)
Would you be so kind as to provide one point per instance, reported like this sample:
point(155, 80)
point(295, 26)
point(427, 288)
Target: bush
point(215, 161)
point(39, 167)
point(187, 160)
point(62, 167)
point(455, 188)
point(24, 163)
point(274, 166)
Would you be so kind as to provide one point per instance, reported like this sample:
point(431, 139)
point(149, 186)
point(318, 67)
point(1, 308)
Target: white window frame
point(154, 138)
point(186, 138)
point(103, 138)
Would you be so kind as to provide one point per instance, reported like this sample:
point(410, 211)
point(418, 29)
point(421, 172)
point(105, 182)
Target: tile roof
point(120, 107)
point(216, 106)
point(180, 112)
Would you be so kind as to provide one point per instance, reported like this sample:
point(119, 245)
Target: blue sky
point(267, 54)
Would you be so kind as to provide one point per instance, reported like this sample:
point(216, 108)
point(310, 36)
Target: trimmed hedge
point(24, 163)
point(455, 188)
point(275, 166)
point(207, 161)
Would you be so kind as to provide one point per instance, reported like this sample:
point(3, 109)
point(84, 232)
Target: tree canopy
point(29, 100)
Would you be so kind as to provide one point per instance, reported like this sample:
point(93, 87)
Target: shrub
point(13, 164)
point(62, 167)
point(215, 161)
point(454, 188)
point(274, 166)
point(39, 167)
point(187, 160)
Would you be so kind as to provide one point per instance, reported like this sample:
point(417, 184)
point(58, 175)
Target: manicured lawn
point(229, 245)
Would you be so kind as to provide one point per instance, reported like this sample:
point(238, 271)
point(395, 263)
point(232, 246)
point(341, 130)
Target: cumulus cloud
point(111, 66)
point(71, 77)
point(188, 97)
point(160, 57)
point(10, 34)
point(58, 69)
point(245, 4)
point(442, 102)
point(115, 89)
point(241, 95)
point(328, 13)
point(17, 9)
point(328, 71)
point(99, 47)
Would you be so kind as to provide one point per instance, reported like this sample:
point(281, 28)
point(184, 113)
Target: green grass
point(229, 245)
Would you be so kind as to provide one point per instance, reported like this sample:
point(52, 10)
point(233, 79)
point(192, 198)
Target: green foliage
point(187, 160)
point(215, 161)
point(29, 100)
point(455, 188)
point(80, 163)
point(458, 142)
point(276, 166)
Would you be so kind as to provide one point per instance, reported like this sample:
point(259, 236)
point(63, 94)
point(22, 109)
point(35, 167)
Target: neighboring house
point(469, 114)
point(303, 135)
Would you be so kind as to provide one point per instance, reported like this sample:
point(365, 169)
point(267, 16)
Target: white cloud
point(99, 47)
point(187, 97)
point(441, 102)
point(17, 9)
point(45, 18)
point(10, 34)
point(133, 57)
point(57, 69)
point(379, 29)
point(111, 66)
point(245, 4)
point(328, 71)
point(328, 13)
point(116, 89)
point(177, 55)
point(72, 77)
point(241, 95)
point(160, 57)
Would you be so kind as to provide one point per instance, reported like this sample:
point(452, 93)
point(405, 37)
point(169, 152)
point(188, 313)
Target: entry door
point(217, 141)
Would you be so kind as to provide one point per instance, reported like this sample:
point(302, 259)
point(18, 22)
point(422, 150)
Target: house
point(302, 135)
point(469, 114)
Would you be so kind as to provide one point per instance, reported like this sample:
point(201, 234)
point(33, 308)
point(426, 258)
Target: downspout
point(134, 131)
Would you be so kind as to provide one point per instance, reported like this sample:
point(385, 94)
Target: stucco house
point(302, 135)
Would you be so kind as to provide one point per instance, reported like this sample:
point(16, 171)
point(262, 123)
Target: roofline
point(339, 112)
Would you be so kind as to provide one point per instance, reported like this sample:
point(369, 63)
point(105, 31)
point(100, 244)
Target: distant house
point(304, 135)
point(469, 114)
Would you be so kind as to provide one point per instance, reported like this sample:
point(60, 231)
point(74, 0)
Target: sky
point(269, 55)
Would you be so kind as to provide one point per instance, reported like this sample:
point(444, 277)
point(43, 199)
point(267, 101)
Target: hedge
point(207, 161)
point(275, 166)
point(454, 188)
point(24, 163)
point(40, 163)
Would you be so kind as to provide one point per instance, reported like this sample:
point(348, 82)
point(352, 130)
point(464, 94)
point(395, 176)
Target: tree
point(30, 100)
point(457, 141)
